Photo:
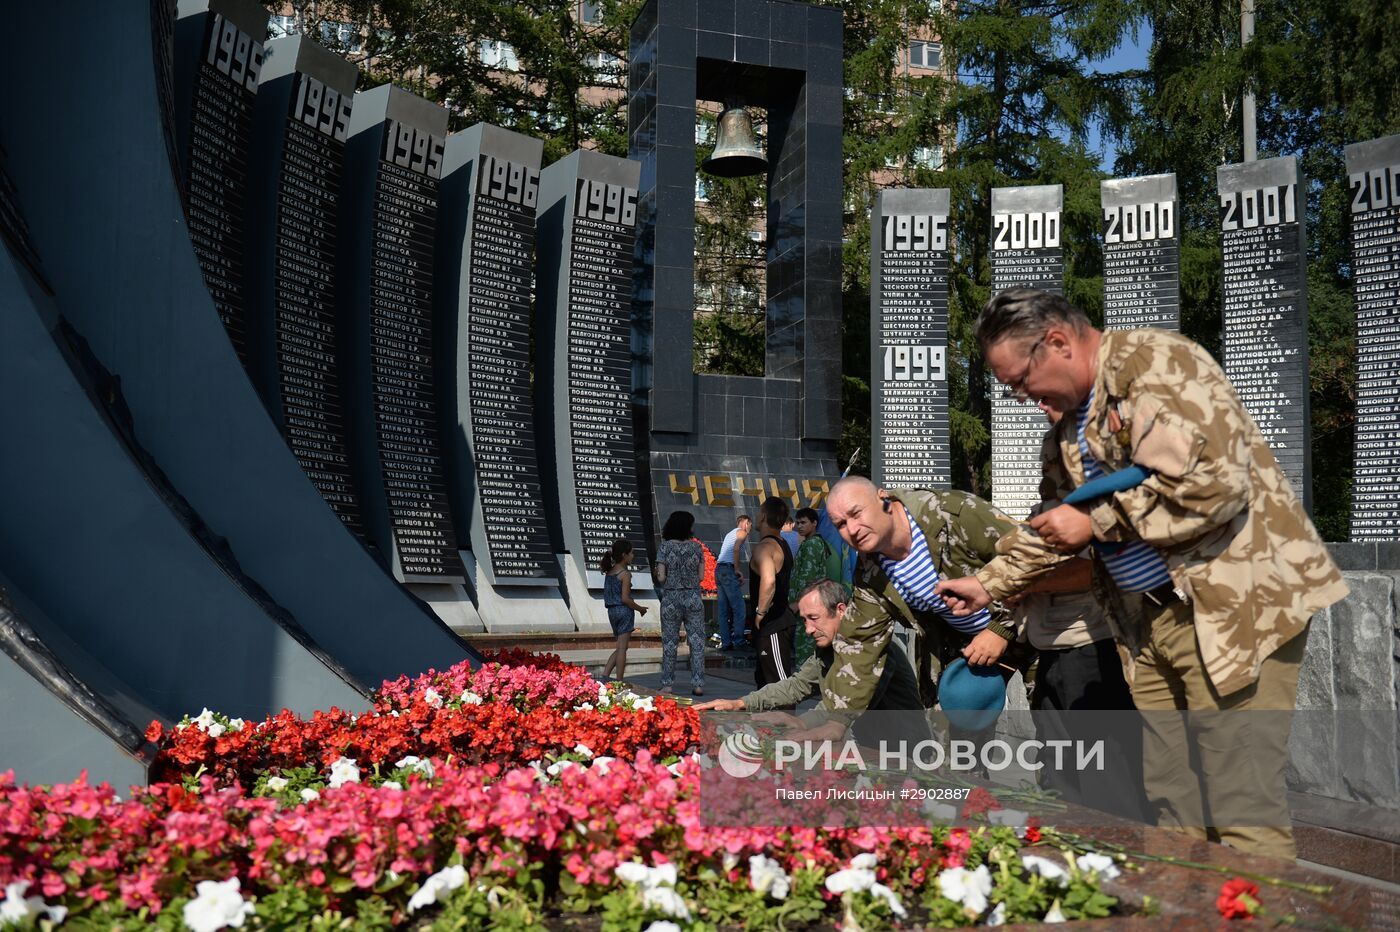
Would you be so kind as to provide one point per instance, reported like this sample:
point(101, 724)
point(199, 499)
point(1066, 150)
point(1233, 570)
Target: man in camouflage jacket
point(1246, 568)
point(960, 532)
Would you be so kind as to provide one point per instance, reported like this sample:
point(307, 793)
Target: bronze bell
point(736, 154)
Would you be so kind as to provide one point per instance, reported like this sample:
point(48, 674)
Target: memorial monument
point(389, 214)
point(212, 571)
point(720, 444)
point(1026, 253)
point(909, 256)
point(1141, 253)
point(490, 196)
point(1373, 175)
point(296, 178)
point(219, 55)
point(1264, 324)
point(588, 219)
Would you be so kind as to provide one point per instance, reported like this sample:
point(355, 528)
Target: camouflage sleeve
point(981, 524)
point(860, 646)
point(788, 692)
point(1021, 557)
point(1185, 423)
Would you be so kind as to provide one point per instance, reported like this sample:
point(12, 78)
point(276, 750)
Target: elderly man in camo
point(1214, 540)
point(907, 540)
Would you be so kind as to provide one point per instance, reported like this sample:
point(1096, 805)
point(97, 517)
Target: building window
point(925, 55)
point(930, 157)
point(344, 36)
point(591, 11)
point(498, 54)
point(279, 26)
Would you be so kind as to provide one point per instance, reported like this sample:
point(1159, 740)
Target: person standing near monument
point(622, 608)
point(679, 565)
point(815, 560)
point(1214, 540)
point(770, 576)
point(729, 581)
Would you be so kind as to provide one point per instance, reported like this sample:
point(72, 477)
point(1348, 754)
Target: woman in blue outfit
point(680, 562)
point(617, 599)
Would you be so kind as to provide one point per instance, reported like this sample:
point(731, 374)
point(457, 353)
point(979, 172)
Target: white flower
point(16, 907)
point(632, 872)
point(437, 886)
point(276, 784)
point(850, 879)
point(645, 705)
point(583, 750)
point(1054, 915)
point(879, 891)
point(601, 763)
point(997, 917)
point(215, 730)
point(204, 719)
point(308, 794)
point(216, 906)
point(1100, 865)
point(584, 707)
point(559, 766)
point(236, 724)
point(666, 900)
point(863, 783)
point(664, 874)
point(425, 767)
point(344, 771)
point(865, 861)
point(1012, 818)
point(391, 785)
point(767, 876)
point(432, 697)
point(1045, 868)
point(675, 768)
point(730, 860)
point(471, 698)
point(663, 925)
point(967, 888)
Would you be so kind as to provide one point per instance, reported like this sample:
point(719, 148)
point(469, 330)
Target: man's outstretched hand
point(964, 595)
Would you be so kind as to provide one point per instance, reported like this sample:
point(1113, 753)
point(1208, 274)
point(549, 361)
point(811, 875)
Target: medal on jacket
point(1119, 428)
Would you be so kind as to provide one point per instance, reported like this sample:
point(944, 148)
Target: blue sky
point(1131, 54)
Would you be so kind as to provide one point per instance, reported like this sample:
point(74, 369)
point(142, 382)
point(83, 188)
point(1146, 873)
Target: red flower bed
point(510, 716)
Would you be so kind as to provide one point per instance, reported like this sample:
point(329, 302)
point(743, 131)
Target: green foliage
point(1325, 75)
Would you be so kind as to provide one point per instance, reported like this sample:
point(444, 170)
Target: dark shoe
point(697, 691)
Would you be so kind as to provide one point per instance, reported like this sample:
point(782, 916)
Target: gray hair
point(1022, 313)
point(832, 594)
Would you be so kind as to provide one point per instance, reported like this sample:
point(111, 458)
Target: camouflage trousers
point(682, 607)
point(1242, 753)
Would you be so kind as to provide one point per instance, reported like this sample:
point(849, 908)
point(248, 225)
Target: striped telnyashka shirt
point(914, 578)
point(1136, 567)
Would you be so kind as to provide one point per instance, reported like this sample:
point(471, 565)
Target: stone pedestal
point(510, 609)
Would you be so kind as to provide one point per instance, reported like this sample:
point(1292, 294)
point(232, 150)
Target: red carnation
point(154, 732)
point(979, 802)
point(1238, 899)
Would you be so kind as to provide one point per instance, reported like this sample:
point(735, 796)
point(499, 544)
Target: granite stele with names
point(1141, 253)
point(909, 338)
point(585, 284)
point(219, 54)
point(1373, 177)
point(1026, 253)
point(1265, 319)
point(394, 162)
point(302, 120)
point(491, 189)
